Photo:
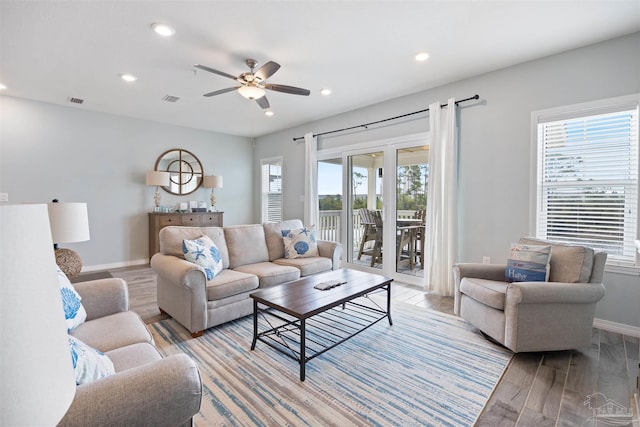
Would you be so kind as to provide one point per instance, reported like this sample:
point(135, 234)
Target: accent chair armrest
point(553, 293)
point(479, 271)
point(103, 297)
point(331, 250)
point(165, 392)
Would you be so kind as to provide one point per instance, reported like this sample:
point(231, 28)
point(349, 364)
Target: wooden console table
point(158, 221)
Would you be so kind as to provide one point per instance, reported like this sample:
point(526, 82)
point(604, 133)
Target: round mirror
point(185, 169)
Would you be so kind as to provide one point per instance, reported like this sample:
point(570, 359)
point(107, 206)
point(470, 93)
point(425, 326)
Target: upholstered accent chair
point(534, 316)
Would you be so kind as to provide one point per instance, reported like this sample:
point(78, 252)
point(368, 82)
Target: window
point(587, 176)
point(271, 183)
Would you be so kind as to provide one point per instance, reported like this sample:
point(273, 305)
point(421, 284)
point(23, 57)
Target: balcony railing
point(330, 223)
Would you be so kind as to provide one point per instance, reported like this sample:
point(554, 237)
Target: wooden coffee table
point(303, 322)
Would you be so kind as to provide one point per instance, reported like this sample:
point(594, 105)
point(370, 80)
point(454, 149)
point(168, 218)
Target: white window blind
point(271, 172)
point(588, 181)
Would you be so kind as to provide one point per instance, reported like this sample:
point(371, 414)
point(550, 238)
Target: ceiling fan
point(253, 84)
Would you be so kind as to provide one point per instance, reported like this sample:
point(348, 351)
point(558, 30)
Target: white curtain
point(442, 212)
point(310, 180)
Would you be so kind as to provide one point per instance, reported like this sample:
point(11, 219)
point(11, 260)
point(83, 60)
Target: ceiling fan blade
point(221, 91)
point(211, 70)
point(263, 102)
point(267, 70)
point(288, 89)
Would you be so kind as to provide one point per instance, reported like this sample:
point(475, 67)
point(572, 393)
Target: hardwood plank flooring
point(536, 389)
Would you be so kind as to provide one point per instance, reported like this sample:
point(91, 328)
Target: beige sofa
point(252, 256)
point(146, 389)
point(534, 316)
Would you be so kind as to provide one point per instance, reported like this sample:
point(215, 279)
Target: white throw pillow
point(89, 364)
point(205, 253)
point(74, 312)
point(300, 242)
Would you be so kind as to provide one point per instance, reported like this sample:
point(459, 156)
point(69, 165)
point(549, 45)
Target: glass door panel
point(330, 200)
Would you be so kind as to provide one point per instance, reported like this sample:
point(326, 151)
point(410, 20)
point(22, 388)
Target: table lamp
point(37, 379)
point(212, 182)
point(159, 179)
point(69, 224)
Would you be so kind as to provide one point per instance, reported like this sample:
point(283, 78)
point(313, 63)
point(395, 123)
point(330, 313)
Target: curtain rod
point(386, 120)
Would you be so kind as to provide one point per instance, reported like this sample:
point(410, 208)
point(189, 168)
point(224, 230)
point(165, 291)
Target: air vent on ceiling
point(170, 98)
point(75, 100)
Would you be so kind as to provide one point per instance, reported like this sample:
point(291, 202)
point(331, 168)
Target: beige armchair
point(534, 316)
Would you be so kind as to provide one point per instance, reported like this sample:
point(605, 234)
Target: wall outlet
point(486, 260)
point(4, 197)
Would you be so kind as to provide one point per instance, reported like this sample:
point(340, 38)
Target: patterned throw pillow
point(528, 263)
point(74, 312)
point(89, 364)
point(300, 243)
point(204, 253)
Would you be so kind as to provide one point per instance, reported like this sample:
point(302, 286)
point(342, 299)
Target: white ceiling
point(362, 50)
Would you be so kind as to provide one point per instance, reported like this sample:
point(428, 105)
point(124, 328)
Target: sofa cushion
point(569, 263)
point(488, 292)
point(205, 253)
point(307, 266)
point(270, 274)
point(300, 242)
point(132, 356)
point(171, 238)
point(229, 283)
point(74, 312)
point(273, 235)
point(113, 331)
point(89, 364)
point(528, 263)
point(246, 244)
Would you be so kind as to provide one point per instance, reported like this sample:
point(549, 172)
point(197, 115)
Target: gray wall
point(48, 151)
point(495, 146)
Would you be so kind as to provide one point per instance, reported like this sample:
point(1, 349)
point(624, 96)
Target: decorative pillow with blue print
point(74, 312)
point(89, 364)
point(528, 263)
point(205, 253)
point(300, 242)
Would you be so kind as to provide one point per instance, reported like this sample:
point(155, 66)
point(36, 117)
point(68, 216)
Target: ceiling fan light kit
point(253, 84)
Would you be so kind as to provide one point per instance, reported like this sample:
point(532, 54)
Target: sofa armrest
point(103, 297)
point(331, 250)
point(165, 392)
point(553, 293)
point(173, 269)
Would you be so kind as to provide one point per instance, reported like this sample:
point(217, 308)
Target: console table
point(157, 221)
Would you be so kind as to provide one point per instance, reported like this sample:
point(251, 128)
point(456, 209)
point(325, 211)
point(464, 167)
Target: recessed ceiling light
point(269, 113)
point(422, 56)
point(326, 92)
point(128, 77)
point(163, 29)
point(2, 86)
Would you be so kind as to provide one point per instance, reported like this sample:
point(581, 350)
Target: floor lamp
point(212, 182)
point(38, 382)
point(69, 224)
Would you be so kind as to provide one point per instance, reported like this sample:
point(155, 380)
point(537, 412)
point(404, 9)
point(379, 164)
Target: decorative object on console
point(159, 179)
point(212, 182)
point(69, 224)
point(38, 383)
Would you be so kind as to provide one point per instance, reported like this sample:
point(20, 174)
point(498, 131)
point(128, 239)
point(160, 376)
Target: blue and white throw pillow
point(89, 364)
point(74, 312)
point(300, 242)
point(528, 263)
point(205, 253)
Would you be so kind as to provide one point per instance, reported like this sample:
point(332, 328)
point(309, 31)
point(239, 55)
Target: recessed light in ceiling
point(128, 78)
point(422, 56)
point(163, 29)
point(2, 86)
point(326, 92)
point(269, 113)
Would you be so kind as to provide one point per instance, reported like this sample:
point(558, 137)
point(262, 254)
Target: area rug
point(429, 368)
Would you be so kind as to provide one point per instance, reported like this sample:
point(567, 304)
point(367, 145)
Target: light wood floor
point(537, 389)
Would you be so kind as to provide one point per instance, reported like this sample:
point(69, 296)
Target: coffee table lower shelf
point(303, 339)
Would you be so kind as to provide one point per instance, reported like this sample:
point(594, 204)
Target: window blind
point(588, 182)
point(271, 190)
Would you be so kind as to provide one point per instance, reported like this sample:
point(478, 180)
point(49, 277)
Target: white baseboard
point(620, 328)
point(115, 265)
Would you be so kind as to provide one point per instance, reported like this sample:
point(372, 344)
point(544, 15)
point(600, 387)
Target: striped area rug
point(429, 368)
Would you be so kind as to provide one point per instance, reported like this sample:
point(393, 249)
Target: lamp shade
point(212, 181)
point(36, 372)
point(251, 92)
point(158, 178)
point(69, 222)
